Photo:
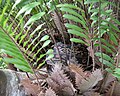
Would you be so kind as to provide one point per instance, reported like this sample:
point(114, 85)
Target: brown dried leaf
point(79, 73)
point(91, 81)
point(41, 93)
point(109, 89)
point(57, 19)
point(50, 92)
point(91, 94)
point(113, 89)
point(59, 82)
point(108, 82)
point(71, 76)
point(53, 84)
point(76, 69)
point(30, 89)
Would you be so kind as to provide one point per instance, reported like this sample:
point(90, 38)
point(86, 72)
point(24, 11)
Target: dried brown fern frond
point(50, 92)
point(47, 92)
point(57, 17)
point(109, 89)
point(89, 82)
point(85, 80)
point(108, 81)
point(91, 94)
point(59, 22)
point(60, 83)
point(41, 93)
point(77, 69)
point(30, 88)
point(112, 89)
point(79, 73)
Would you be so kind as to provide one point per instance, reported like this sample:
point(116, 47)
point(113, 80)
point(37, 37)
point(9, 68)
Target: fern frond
point(29, 41)
point(10, 47)
point(50, 92)
point(91, 81)
point(59, 82)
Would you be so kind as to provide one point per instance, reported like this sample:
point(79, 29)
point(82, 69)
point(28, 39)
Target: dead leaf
point(79, 73)
point(91, 94)
point(50, 92)
point(60, 83)
point(113, 89)
point(91, 81)
point(30, 88)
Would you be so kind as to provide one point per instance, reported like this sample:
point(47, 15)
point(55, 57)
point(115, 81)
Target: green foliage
point(20, 42)
point(2, 64)
point(26, 26)
point(91, 26)
point(9, 47)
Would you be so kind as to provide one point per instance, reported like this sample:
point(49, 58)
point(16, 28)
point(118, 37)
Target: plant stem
point(99, 31)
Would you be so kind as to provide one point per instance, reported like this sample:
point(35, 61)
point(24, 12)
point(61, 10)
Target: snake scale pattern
point(79, 55)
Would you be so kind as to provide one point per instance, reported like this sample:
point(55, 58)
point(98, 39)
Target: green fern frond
point(25, 42)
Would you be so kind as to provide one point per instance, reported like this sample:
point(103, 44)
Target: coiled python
point(77, 55)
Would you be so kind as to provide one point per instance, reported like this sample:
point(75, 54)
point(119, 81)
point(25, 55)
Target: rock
point(10, 84)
